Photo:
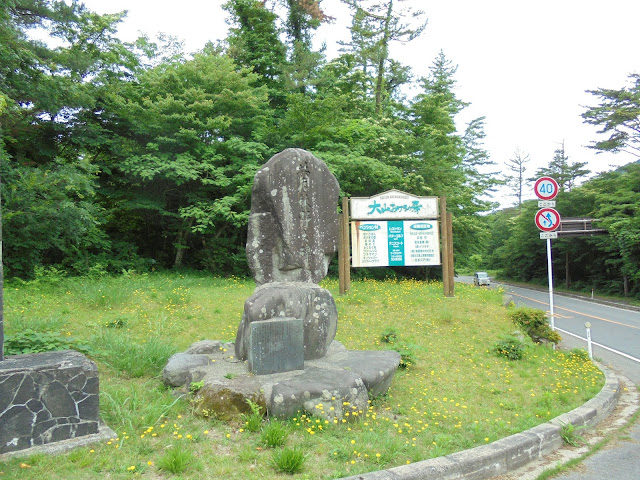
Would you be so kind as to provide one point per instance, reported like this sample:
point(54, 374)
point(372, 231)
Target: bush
point(534, 323)
point(510, 347)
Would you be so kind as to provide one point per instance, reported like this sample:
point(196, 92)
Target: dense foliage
point(138, 156)
point(118, 157)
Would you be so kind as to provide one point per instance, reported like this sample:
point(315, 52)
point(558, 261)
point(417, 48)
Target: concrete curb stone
point(509, 453)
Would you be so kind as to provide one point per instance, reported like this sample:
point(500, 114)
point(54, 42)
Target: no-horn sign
point(547, 219)
point(546, 188)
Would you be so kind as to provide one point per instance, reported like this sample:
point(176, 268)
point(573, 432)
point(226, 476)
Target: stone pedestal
point(343, 381)
point(46, 398)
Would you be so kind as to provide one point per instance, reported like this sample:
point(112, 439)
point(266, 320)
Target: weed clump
point(175, 460)
point(274, 434)
point(510, 347)
point(288, 460)
point(253, 420)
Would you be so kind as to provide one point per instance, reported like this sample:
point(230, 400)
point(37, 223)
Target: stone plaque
point(276, 345)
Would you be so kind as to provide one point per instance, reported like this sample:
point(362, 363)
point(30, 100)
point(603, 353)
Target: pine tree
point(517, 181)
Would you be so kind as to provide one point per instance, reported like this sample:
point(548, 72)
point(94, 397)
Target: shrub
point(534, 323)
point(510, 347)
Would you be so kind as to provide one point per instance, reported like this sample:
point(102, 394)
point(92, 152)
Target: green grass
point(455, 393)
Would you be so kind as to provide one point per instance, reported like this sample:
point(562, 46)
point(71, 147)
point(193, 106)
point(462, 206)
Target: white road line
point(600, 345)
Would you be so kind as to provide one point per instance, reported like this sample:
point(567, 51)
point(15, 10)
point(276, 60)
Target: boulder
point(226, 398)
point(177, 371)
point(311, 303)
point(324, 393)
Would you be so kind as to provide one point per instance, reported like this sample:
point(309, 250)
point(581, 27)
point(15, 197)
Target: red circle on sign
point(547, 219)
point(546, 188)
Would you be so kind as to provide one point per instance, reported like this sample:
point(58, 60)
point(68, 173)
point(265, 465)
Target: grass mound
point(454, 392)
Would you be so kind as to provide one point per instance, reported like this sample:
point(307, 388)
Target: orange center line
point(578, 313)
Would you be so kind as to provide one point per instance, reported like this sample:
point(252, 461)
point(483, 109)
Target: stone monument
point(286, 359)
point(293, 233)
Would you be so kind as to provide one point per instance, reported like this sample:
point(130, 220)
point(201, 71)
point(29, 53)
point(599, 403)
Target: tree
point(303, 18)
point(374, 26)
point(181, 165)
point(617, 204)
point(618, 115)
point(254, 43)
point(562, 171)
point(517, 181)
point(53, 113)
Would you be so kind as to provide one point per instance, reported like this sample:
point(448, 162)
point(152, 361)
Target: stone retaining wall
point(47, 397)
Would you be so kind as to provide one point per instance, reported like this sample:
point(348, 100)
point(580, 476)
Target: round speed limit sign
point(547, 219)
point(546, 188)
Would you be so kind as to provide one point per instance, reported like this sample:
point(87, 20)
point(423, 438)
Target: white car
point(481, 278)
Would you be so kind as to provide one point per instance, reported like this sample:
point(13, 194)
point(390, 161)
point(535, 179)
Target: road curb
point(509, 453)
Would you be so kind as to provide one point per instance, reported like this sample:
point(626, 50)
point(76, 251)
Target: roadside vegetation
point(456, 389)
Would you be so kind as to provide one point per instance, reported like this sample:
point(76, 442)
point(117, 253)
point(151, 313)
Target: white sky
point(525, 66)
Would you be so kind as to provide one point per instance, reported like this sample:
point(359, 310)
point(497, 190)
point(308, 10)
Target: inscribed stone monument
point(293, 232)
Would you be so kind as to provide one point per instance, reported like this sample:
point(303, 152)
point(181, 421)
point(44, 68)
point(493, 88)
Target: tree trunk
point(625, 285)
point(384, 54)
point(567, 273)
point(181, 244)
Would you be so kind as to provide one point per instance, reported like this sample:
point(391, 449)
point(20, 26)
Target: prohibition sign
point(547, 219)
point(546, 188)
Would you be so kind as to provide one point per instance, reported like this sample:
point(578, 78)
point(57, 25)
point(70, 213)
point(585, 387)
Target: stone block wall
point(47, 397)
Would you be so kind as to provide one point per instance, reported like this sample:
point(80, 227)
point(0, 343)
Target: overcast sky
point(524, 66)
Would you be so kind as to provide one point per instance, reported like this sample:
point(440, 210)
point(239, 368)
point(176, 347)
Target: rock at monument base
point(327, 394)
point(341, 376)
point(209, 347)
point(177, 371)
point(309, 302)
point(293, 225)
point(376, 368)
point(226, 399)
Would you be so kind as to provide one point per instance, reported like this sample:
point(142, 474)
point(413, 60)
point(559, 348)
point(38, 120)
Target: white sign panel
point(369, 246)
point(545, 235)
point(394, 205)
point(395, 243)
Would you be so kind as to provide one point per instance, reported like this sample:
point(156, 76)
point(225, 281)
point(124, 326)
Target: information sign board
point(395, 243)
point(394, 205)
point(547, 219)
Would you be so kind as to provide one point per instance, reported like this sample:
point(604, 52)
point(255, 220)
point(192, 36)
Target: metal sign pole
point(550, 274)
